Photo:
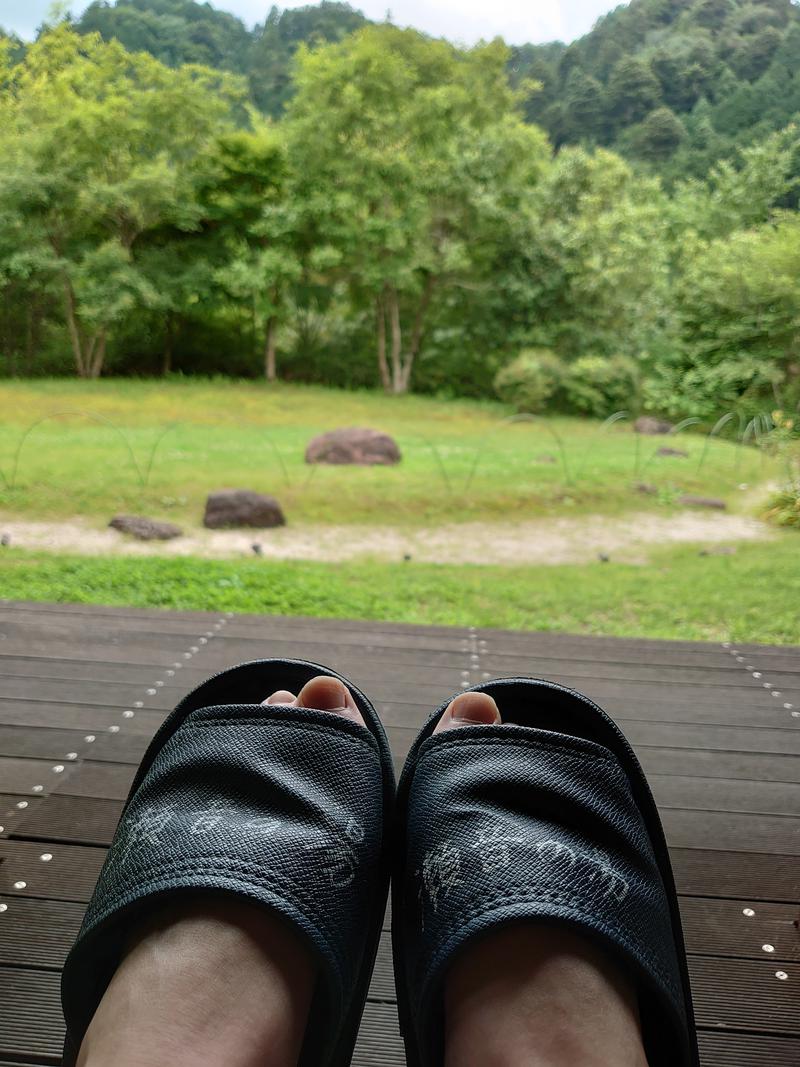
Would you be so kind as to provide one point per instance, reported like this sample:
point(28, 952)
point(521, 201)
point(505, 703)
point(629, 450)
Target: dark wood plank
point(32, 1023)
point(37, 933)
point(747, 1050)
point(744, 995)
point(70, 820)
point(45, 743)
point(726, 928)
point(70, 874)
point(731, 831)
point(732, 874)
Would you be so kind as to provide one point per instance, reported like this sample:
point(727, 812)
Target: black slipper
point(285, 807)
point(547, 818)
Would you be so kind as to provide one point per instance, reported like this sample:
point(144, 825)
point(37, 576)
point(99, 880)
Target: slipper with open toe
point(286, 807)
point(546, 818)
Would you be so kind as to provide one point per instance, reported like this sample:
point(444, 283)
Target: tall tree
point(420, 152)
point(95, 150)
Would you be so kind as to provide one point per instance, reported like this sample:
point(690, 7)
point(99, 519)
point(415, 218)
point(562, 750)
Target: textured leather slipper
point(547, 818)
point(284, 807)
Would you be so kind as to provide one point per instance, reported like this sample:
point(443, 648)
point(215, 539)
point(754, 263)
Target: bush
point(531, 380)
point(783, 507)
point(599, 387)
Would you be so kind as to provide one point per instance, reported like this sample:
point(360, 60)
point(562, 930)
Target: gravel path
point(549, 541)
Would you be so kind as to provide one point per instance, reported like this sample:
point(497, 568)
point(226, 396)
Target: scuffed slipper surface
point(283, 806)
point(546, 818)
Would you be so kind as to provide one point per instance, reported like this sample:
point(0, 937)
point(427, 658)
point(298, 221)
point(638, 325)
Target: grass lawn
point(752, 595)
point(462, 459)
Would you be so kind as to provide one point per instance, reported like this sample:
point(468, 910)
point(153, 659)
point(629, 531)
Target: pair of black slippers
point(547, 819)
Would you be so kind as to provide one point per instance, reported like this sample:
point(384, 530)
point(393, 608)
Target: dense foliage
point(401, 223)
point(676, 84)
point(679, 84)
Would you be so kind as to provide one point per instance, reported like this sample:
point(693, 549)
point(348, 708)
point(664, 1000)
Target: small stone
point(650, 425)
point(258, 548)
point(354, 445)
point(646, 488)
point(144, 529)
point(665, 451)
point(242, 507)
point(5, 540)
point(702, 502)
point(603, 557)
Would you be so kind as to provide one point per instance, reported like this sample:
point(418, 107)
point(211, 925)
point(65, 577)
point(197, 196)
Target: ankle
point(542, 997)
point(216, 982)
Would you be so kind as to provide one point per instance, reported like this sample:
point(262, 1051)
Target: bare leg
point(212, 982)
point(531, 995)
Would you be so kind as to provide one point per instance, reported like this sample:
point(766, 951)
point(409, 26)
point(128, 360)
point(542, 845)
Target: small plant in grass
point(783, 507)
point(783, 440)
point(531, 381)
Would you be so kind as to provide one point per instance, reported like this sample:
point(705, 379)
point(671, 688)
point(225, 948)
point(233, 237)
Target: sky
point(463, 21)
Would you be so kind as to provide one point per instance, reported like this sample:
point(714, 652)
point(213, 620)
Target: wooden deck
point(717, 729)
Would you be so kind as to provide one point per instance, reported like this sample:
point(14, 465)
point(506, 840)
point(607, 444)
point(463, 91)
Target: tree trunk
point(402, 363)
point(81, 364)
point(169, 339)
point(270, 372)
point(97, 354)
point(417, 331)
point(396, 351)
point(383, 366)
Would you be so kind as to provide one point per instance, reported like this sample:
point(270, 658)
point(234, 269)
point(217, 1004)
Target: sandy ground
point(548, 541)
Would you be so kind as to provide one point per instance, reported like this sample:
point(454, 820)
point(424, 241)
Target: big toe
point(469, 709)
point(324, 693)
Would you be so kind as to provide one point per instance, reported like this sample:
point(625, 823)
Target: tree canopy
point(401, 224)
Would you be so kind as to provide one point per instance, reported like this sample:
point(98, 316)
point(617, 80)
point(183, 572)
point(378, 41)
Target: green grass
point(461, 459)
point(749, 596)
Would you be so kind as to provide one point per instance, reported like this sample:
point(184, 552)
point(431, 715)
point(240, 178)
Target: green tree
point(420, 160)
point(658, 136)
point(597, 258)
point(96, 147)
point(633, 90)
point(249, 196)
point(738, 301)
point(274, 44)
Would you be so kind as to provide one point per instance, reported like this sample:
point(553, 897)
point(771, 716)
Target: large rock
point(367, 448)
point(651, 425)
point(145, 529)
point(242, 507)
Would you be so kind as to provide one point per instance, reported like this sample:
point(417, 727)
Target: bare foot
point(530, 994)
point(215, 981)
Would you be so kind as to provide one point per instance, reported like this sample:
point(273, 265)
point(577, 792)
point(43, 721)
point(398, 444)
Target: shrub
point(531, 380)
point(599, 387)
point(783, 507)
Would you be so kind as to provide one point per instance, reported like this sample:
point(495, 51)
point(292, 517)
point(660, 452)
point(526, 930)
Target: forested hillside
point(673, 84)
point(678, 83)
point(182, 31)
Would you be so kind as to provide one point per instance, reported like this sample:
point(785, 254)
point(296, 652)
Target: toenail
point(326, 694)
point(476, 712)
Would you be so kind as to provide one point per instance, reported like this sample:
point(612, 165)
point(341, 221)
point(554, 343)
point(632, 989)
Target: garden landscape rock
point(650, 425)
point(354, 445)
point(144, 529)
point(703, 502)
point(242, 507)
point(672, 452)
